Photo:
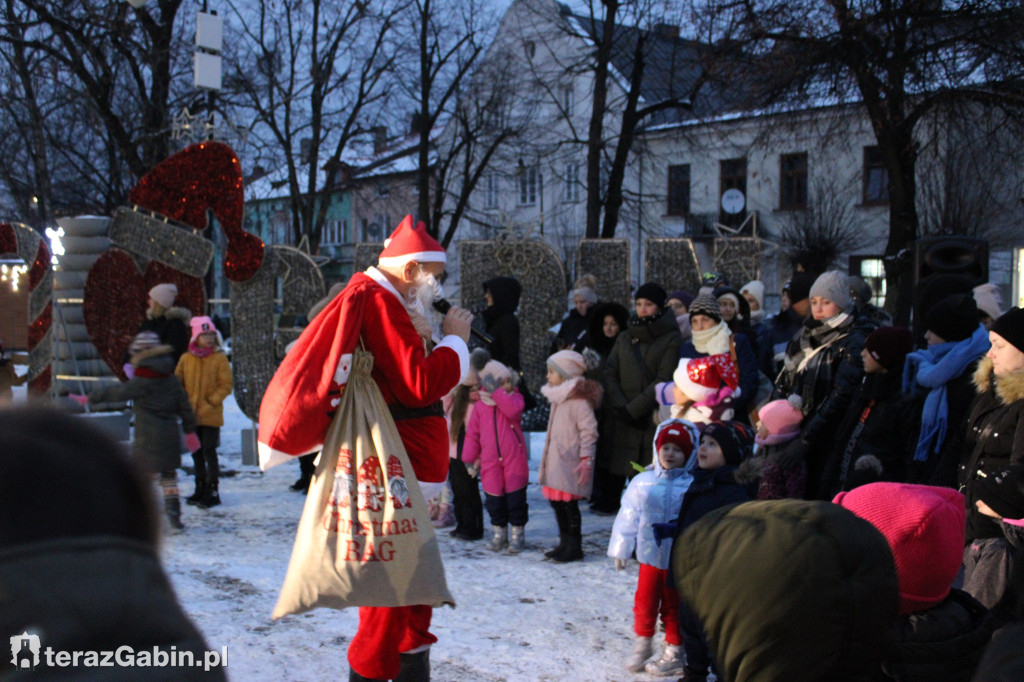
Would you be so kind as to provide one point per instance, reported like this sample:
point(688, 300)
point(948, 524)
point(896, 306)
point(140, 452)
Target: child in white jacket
point(655, 496)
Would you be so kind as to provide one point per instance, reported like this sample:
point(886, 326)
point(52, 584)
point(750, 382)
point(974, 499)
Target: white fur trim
point(459, 346)
point(419, 257)
point(270, 458)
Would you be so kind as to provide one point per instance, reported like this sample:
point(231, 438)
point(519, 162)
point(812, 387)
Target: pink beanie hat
point(202, 324)
point(781, 418)
point(568, 363)
point(925, 528)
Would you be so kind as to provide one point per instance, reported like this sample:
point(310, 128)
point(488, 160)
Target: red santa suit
point(298, 407)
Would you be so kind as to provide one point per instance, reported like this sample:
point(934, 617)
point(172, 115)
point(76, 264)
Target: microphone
point(442, 306)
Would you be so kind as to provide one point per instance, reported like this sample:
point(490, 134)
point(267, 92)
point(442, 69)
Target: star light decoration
point(181, 125)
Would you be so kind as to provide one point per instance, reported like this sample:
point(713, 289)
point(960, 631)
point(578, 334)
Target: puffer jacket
point(631, 386)
point(96, 593)
point(172, 328)
point(495, 438)
point(790, 590)
point(653, 496)
point(572, 434)
point(942, 644)
point(992, 438)
point(501, 322)
point(208, 382)
point(159, 401)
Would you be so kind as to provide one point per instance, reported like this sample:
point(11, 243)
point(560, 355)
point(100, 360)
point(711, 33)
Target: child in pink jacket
point(494, 438)
point(567, 464)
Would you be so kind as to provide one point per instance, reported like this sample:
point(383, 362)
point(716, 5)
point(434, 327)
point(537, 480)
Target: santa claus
point(386, 308)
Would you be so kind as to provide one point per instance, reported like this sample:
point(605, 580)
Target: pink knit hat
point(781, 418)
point(202, 324)
point(925, 528)
point(568, 363)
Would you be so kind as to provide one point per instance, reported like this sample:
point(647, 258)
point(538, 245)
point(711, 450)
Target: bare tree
point(312, 76)
point(902, 61)
point(829, 227)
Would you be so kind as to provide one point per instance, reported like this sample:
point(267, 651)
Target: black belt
point(401, 412)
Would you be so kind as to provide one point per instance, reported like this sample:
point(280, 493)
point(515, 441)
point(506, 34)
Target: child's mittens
point(129, 370)
point(620, 564)
point(192, 442)
point(82, 400)
point(663, 531)
point(584, 472)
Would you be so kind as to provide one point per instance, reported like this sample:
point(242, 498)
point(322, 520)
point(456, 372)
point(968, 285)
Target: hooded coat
point(571, 435)
point(129, 602)
point(172, 328)
point(991, 438)
point(789, 590)
point(629, 386)
point(501, 322)
point(159, 401)
point(495, 438)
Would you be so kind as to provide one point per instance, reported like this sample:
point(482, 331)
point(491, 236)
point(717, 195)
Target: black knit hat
point(1003, 491)
point(1010, 326)
point(707, 305)
point(954, 318)
point(735, 439)
point(653, 292)
point(799, 287)
point(889, 346)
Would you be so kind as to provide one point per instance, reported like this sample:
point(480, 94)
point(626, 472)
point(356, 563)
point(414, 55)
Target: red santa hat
point(701, 378)
point(408, 243)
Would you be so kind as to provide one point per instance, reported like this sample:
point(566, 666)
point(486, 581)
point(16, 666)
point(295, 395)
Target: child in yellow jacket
point(206, 374)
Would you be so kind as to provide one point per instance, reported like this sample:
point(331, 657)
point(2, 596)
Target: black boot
point(212, 498)
point(172, 506)
point(563, 523)
point(199, 493)
point(573, 550)
point(199, 465)
point(415, 667)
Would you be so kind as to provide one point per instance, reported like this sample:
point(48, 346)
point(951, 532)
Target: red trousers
point(383, 634)
point(655, 593)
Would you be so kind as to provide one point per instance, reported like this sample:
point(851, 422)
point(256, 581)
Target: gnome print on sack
point(343, 492)
point(159, 240)
point(396, 484)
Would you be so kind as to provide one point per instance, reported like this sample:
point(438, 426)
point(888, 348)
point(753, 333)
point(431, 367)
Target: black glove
point(663, 531)
point(792, 455)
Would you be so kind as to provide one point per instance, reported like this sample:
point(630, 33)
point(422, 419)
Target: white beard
point(420, 298)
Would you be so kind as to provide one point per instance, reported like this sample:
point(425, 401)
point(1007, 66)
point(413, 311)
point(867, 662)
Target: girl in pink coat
point(567, 465)
point(494, 438)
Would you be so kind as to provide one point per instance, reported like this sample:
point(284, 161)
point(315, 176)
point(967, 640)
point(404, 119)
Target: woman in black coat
point(502, 297)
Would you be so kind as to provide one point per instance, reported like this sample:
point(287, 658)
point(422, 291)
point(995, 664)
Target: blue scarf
point(933, 368)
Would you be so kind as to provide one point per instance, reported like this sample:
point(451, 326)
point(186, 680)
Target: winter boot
point(200, 492)
point(642, 650)
point(563, 535)
point(670, 664)
point(517, 543)
point(415, 667)
point(172, 506)
point(499, 539)
point(573, 550)
point(212, 498)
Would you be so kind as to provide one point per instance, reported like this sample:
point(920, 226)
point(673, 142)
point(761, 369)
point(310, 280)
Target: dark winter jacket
point(942, 644)
point(746, 365)
point(629, 387)
point(716, 488)
point(501, 322)
point(775, 334)
point(602, 346)
point(874, 439)
point(573, 333)
point(159, 401)
point(993, 437)
point(826, 384)
point(96, 593)
point(789, 590)
point(173, 330)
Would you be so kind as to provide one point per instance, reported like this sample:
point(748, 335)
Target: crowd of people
point(811, 494)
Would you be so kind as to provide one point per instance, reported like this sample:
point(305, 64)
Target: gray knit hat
point(706, 304)
point(835, 286)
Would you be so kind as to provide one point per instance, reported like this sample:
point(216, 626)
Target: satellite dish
point(733, 201)
point(373, 232)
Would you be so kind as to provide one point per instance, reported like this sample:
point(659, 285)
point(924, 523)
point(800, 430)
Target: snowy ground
point(518, 617)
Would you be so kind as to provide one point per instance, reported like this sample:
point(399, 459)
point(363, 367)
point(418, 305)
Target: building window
point(732, 175)
point(876, 177)
point(568, 101)
point(528, 186)
point(491, 190)
point(793, 181)
point(679, 190)
point(573, 189)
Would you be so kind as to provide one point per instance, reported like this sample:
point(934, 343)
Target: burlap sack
point(365, 537)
